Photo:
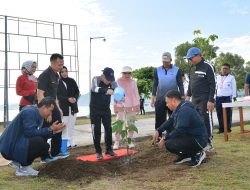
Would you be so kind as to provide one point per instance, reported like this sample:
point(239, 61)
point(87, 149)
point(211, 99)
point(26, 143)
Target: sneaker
point(181, 159)
point(116, 145)
point(63, 155)
point(72, 146)
point(197, 159)
point(49, 159)
point(131, 145)
point(99, 156)
point(26, 171)
point(209, 148)
point(220, 132)
point(110, 153)
point(14, 165)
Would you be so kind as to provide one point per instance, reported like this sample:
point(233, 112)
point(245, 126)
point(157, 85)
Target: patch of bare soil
point(150, 164)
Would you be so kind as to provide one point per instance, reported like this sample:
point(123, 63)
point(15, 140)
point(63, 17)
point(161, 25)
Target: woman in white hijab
point(26, 84)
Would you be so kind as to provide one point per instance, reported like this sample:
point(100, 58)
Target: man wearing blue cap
point(202, 88)
point(101, 90)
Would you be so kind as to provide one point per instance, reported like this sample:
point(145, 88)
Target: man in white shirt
point(226, 91)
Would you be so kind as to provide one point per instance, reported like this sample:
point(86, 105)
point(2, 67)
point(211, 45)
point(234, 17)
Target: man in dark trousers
point(226, 91)
point(202, 89)
point(24, 139)
point(166, 77)
point(101, 90)
point(47, 86)
point(186, 133)
point(142, 105)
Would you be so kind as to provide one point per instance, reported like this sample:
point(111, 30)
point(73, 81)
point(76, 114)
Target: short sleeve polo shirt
point(48, 81)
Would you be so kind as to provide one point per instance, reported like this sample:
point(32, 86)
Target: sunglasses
point(191, 58)
point(127, 73)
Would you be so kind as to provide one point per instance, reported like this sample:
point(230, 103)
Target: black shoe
point(219, 132)
point(181, 159)
point(197, 159)
point(229, 130)
point(99, 156)
point(110, 153)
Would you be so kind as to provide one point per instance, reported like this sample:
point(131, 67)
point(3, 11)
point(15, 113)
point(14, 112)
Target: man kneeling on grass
point(24, 140)
point(186, 133)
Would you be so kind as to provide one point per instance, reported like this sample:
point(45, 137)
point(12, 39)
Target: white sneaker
point(26, 171)
point(209, 148)
point(116, 145)
point(63, 155)
point(131, 145)
point(14, 165)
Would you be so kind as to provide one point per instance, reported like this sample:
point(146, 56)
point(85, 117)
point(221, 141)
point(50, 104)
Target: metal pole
point(61, 31)
point(90, 65)
point(6, 105)
point(90, 39)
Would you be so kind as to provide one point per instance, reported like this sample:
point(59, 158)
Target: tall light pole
point(90, 39)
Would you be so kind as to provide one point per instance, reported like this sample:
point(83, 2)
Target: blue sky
point(139, 31)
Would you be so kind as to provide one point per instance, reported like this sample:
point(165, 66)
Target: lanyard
point(223, 78)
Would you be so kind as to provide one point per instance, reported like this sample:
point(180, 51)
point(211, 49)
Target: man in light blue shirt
point(166, 77)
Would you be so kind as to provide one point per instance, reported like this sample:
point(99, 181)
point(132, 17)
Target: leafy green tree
point(205, 44)
point(236, 63)
point(144, 76)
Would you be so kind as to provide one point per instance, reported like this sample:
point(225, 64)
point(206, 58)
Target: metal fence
point(28, 39)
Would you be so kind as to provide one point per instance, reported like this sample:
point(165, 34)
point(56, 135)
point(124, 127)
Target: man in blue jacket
point(24, 139)
point(186, 132)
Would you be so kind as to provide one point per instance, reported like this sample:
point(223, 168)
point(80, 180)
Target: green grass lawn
point(228, 168)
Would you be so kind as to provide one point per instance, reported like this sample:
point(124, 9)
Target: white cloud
point(237, 45)
point(91, 19)
point(236, 7)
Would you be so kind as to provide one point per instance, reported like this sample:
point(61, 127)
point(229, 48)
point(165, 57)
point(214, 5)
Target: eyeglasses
point(191, 58)
point(127, 73)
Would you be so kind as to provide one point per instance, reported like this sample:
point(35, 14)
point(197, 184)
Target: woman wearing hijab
point(68, 94)
point(26, 84)
point(131, 103)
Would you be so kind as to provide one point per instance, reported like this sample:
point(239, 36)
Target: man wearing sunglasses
point(202, 89)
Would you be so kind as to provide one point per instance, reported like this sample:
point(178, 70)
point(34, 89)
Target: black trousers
point(37, 148)
point(96, 121)
point(200, 103)
point(183, 146)
point(142, 110)
point(161, 111)
point(56, 140)
point(219, 101)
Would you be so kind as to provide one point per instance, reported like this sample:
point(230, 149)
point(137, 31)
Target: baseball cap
point(192, 52)
point(109, 74)
point(126, 69)
point(166, 57)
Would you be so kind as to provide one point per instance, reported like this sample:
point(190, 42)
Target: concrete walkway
point(83, 133)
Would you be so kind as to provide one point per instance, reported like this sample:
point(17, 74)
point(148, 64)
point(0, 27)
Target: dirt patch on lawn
point(149, 159)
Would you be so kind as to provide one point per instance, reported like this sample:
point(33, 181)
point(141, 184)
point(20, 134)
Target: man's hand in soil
point(155, 137)
point(162, 143)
